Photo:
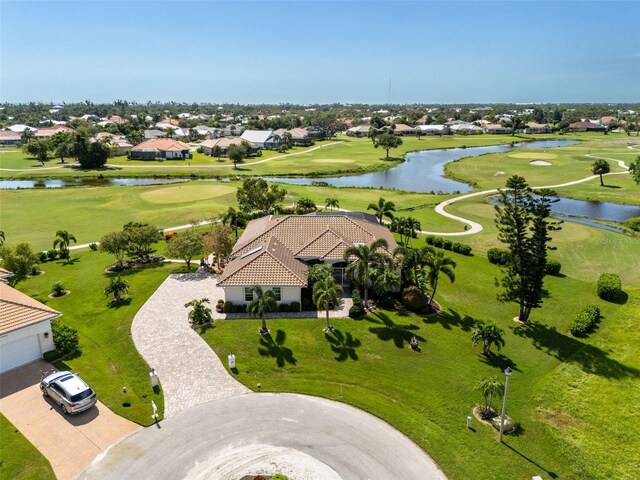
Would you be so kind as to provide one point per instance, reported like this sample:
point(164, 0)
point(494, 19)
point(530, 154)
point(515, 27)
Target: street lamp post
point(507, 372)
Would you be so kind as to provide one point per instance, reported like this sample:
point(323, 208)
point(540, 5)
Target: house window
point(278, 292)
point(248, 294)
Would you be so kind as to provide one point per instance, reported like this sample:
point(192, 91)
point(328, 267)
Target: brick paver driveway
point(69, 442)
point(189, 371)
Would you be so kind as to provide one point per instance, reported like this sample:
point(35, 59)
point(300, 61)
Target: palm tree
point(235, 218)
point(263, 303)
point(487, 335)
point(331, 203)
point(367, 256)
point(438, 264)
point(600, 167)
point(414, 260)
point(326, 292)
point(382, 209)
point(199, 313)
point(62, 242)
point(116, 287)
point(490, 387)
point(385, 280)
point(407, 227)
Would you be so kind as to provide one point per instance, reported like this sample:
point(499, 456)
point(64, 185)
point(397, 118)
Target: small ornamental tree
point(600, 167)
point(387, 141)
point(490, 387)
point(186, 246)
point(200, 313)
point(487, 335)
point(117, 287)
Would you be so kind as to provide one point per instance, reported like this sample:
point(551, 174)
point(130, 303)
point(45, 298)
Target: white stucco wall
point(235, 295)
point(38, 330)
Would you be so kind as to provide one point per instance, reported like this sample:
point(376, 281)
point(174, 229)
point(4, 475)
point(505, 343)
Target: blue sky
point(320, 52)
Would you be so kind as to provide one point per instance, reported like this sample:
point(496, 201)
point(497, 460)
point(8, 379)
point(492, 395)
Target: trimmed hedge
point(584, 321)
point(553, 268)
point(357, 310)
point(609, 286)
point(65, 338)
point(497, 256)
point(447, 244)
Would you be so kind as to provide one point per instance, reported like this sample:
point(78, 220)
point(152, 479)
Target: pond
point(85, 182)
point(422, 171)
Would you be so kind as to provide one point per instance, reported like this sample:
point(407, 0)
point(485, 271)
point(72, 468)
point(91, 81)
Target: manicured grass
point(19, 459)
point(558, 379)
point(108, 359)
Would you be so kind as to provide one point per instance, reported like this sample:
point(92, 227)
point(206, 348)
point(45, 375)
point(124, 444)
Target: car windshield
point(82, 395)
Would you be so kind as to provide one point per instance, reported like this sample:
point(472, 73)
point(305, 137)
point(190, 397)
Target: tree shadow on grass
point(68, 263)
point(122, 303)
point(451, 318)
point(589, 358)
point(343, 345)
point(389, 330)
point(612, 186)
point(621, 299)
point(275, 348)
point(500, 361)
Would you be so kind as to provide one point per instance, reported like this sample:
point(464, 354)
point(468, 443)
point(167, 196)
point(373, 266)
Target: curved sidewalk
point(189, 371)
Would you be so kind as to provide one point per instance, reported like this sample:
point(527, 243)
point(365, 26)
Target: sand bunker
point(534, 155)
point(540, 163)
point(497, 174)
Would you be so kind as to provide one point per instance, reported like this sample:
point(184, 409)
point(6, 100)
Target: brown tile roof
point(223, 143)
point(401, 127)
point(299, 231)
point(171, 121)
point(162, 144)
point(270, 263)
point(299, 133)
point(18, 310)
point(9, 135)
point(50, 131)
point(537, 125)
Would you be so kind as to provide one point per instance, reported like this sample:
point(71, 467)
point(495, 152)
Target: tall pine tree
point(523, 225)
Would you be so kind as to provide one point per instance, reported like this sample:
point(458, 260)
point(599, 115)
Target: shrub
point(609, 286)
point(414, 299)
point(52, 254)
point(357, 310)
point(430, 239)
point(447, 244)
point(228, 307)
point(497, 256)
point(552, 268)
point(294, 307)
point(199, 150)
point(584, 321)
point(240, 309)
point(57, 289)
point(52, 356)
point(64, 338)
point(42, 257)
point(93, 246)
point(220, 302)
point(169, 235)
point(456, 247)
point(464, 249)
point(283, 307)
point(437, 242)
point(633, 224)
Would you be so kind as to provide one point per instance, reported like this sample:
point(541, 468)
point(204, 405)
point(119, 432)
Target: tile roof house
point(48, 132)
point(533, 127)
point(154, 133)
point(222, 143)
point(25, 328)
point(160, 148)
point(359, 131)
point(586, 127)
point(403, 130)
point(7, 137)
point(497, 128)
point(276, 252)
point(260, 139)
point(118, 142)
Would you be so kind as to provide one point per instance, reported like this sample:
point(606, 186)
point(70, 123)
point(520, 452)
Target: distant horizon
point(320, 52)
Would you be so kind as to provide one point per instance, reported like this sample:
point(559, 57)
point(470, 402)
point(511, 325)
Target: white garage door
point(19, 352)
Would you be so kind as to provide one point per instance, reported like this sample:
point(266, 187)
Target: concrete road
point(260, 433)
point(69, 442)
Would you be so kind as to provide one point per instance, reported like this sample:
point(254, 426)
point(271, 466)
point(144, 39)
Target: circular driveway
point(261, 433)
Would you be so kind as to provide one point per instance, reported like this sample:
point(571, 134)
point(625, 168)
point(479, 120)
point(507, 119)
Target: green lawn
point(19, 459)
point(109, 360)
point(565, 392)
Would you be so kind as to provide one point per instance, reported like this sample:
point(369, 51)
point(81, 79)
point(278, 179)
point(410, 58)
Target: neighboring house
point(607, 120)
point(465, 128)
point(431, 129)
point(260, 139)
point(276, 252)
point(223, 143)
point(9, 138)
point(301, 136)
point(112, 119)
point(231, 130)
point(19, 128)
point(169, 121)
point(586, 127)
point(497, 128)
point(210, 132)
point(48, 132)
point(119, 142)
point(404, 130)
point(154, 133)
point(533, 127)
point(359, 131)
point(25, 328)
point(160, 148)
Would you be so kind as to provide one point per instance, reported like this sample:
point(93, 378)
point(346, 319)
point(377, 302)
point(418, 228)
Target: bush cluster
point(609, 286)
point(584, 321)
point(498, 256)
point(633, 224)
point(64, 338)
point(93, 246)
point(357, 310)
point(447, 244)
point(414, 299)
point(552, 268)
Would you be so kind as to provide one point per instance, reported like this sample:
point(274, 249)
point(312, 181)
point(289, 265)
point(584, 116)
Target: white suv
point(68, 390)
